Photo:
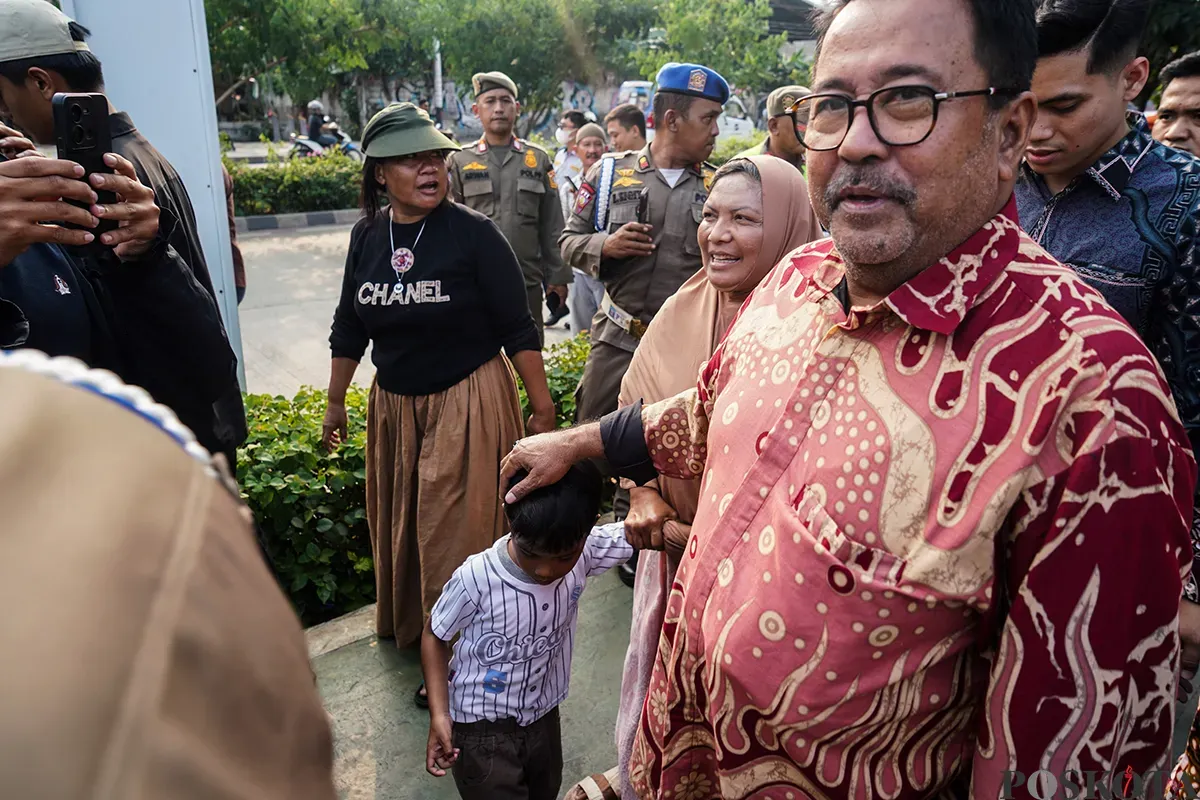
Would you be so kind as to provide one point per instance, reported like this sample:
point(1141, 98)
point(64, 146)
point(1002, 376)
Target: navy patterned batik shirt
point(1129, 227)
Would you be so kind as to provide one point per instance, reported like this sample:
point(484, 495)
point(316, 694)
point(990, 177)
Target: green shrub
point(564, 370)
point(328, 183)
point(311, 506)
point(730, 146)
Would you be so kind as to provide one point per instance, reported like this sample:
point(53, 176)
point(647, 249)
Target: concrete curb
point(247, 159)
point(272, 222)
point(337, 633)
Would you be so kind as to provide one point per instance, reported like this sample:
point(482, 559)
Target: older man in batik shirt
point(943, 528)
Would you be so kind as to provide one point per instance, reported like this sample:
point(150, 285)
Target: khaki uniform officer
point(512, 182)
point(782, 141)
point(643, 262)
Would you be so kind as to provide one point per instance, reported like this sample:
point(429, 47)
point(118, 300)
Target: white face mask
point(562, 136)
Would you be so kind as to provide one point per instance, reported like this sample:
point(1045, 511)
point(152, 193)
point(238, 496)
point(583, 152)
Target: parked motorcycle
point(304, 147)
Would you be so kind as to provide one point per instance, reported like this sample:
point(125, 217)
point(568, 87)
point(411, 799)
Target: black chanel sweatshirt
point(449, 314)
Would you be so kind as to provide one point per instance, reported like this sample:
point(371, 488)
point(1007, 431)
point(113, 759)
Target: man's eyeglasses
point(900, 115)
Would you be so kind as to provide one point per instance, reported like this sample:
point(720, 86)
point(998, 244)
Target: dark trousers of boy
point(503, 761)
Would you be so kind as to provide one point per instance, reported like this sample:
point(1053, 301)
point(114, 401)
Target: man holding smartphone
point(124, 301)
point(42, 52)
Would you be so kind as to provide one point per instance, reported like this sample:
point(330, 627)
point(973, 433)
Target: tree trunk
point(360, 89)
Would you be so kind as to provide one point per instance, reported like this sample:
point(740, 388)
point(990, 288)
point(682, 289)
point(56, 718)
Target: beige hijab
point(691, 324)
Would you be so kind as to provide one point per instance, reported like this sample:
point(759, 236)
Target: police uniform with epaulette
point(514, 185)
point(636, 287)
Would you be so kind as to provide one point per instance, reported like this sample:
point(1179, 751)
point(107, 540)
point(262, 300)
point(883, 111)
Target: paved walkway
point(380, 735)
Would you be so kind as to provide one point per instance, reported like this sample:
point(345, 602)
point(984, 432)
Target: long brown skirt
point(433, 488)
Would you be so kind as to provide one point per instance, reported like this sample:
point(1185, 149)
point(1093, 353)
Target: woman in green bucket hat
point(437, 292)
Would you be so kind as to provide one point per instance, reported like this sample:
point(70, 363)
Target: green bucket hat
point(402, 129)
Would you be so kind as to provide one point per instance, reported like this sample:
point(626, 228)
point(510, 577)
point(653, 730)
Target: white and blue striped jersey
point(513, 659)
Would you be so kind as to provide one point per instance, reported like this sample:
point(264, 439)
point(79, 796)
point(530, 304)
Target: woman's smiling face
point(731, 232)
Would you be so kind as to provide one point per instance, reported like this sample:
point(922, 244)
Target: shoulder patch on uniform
point(643, 163)
point(531, 159)
point(583, 197)
point(707, 172)
point(481, 146)
point(550, 177)
point(517, 144)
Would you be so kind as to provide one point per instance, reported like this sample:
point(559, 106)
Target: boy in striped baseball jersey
point(494, 718)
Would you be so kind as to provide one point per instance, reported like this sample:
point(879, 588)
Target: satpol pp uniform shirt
point(515, 187)
point(513, 659)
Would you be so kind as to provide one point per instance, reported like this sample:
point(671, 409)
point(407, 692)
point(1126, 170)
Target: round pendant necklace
point(403, 258)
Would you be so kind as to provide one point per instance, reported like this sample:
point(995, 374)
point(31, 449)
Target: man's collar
point(482, 146)
point(938, 298)
point(645, 162)
point(121, 124)
point(1113, 170)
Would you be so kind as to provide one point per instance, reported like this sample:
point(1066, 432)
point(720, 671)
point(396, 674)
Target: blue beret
point(693, 79)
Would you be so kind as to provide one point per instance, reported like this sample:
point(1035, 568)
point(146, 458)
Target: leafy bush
point(328, 183)
point(310, 506)
point(729, 146)
point(564, 370)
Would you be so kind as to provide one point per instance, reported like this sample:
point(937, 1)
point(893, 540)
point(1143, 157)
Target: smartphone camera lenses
point(77, 113)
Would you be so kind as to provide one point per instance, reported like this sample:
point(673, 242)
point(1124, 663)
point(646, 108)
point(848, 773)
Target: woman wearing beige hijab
point(757, 212)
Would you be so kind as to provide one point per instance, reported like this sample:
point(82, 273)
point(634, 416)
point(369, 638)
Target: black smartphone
point(82, 134)
point(553, 301)
point(643, 209)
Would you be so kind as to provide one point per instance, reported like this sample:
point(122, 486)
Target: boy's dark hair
point(627, 116)
point(556, 518)
point(1006, 41)
point(1184, 67)
point(577, 118)
point(1110, 30)
point(81, 71)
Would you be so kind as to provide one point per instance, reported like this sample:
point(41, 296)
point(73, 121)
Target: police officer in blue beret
point(642, 259)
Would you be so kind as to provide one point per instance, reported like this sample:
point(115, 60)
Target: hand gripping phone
point(82, 134)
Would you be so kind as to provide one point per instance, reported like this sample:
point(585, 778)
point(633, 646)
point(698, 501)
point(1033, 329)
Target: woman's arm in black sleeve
point(503, 288)
point(348, 337)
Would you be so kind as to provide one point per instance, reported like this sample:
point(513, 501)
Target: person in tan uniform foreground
point(149, 652)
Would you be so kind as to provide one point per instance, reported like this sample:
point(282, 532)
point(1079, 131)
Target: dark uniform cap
point(402, 129)
point(486, 81)
point(695, 80)
point(781, 100)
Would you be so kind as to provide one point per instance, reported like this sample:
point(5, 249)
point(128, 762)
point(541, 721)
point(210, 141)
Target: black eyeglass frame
point(853, 105)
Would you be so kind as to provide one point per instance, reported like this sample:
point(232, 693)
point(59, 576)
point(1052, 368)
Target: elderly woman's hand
point(648, 513)
point(675, 538)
